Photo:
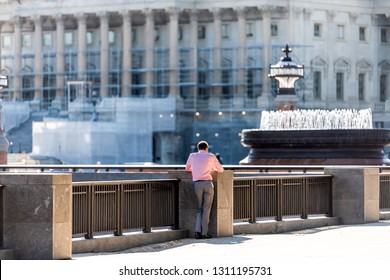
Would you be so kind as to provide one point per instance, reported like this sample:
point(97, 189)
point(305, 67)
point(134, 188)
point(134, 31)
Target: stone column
point(266, 13)
point(221, 217)
point(330, 86)
point(149, 55)
point(38, 82)
point(173, 51)
point(194, 50)
point(60, 59)
point(82, 46)
point(217, 49)
point(351, 85)
point(104, 55)
point(127, 45)
point(241, 51)
point(17, 79)
point(373, 90)
point(38, 215)
point(355, 194)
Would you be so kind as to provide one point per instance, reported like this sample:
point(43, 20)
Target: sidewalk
point(346, 251)
point(309, 254)
point(364, 241)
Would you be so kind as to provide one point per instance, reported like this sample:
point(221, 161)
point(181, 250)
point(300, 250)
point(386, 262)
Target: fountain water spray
point(316, 119)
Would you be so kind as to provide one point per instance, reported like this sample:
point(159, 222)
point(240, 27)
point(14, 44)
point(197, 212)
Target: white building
point(210, 57)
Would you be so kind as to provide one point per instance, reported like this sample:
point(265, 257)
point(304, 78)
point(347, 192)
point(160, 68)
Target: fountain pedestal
point(312, 147)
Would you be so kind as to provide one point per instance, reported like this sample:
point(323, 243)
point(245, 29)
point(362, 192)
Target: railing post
point(119, 210)
point(148, 208)
point(252, 199)
point(176, 205)
point(305, 199)
point(279, 200)
point(330, 198)
point(90, 209)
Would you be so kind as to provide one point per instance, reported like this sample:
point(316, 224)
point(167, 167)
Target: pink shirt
point(201, 164)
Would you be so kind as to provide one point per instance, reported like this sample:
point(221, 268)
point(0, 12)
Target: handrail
point(153, 168)
point(164, 168)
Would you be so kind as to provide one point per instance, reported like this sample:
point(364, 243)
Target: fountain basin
point(312, 147)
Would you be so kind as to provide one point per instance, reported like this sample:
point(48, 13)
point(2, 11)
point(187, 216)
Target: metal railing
point(384, 192)
point(272, 196)
point(119, 206)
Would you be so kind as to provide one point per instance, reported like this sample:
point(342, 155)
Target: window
point(133, 35)
point(89, 37)
point(201, 32)
point(157, 34)
point(317, 84)
point(111, 37)
point(47, 40)
point(225, 31)
point(361, 89)
point(26, 40)
point(274, 29)
point(317, 30)
point(340, 31)
point(340, 86)
point(180, 33)
point(362, 33)
point(384, 35)
point(6, 41)
point(249, 29)
point(383, 88)
point(68, 38)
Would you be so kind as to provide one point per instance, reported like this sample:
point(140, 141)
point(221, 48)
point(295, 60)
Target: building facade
point(210, 57)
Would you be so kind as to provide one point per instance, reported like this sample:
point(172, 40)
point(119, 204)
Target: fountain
point(313, 137)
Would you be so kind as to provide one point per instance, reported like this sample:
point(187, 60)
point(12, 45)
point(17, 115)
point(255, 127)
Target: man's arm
point(217, 165)
point(188, 164)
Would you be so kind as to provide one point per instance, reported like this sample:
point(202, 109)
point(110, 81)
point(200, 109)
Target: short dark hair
point(202, 145)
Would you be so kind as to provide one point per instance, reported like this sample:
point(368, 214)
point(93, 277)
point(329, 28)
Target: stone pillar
point(351, 85)
point(355, 194)
point(38, 82)
point(266, 13)
point(194, 50)
point(373, 91)
point(38, 215)
point(330, 87)
point(127, 45)
point(17, 79)
point(173, 51)
point(82, 46)
point(104, 55)
point(241, 51)
point(217, 50)
point(221, 217)
point(149, 55)
point(60, 60)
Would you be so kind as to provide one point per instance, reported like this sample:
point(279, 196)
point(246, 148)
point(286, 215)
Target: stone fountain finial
point(286, 51)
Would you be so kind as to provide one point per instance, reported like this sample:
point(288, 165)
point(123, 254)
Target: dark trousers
point(204, 192)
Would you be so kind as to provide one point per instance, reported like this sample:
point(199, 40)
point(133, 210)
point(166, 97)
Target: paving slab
point(344, 251)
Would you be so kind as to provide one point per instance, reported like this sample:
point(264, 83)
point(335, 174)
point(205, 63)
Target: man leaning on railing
point(202, 164)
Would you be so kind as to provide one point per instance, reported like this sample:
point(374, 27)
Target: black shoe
point(198, 235)
point(207, 236)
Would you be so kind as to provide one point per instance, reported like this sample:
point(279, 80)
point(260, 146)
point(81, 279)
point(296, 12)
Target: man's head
point(202, 145)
